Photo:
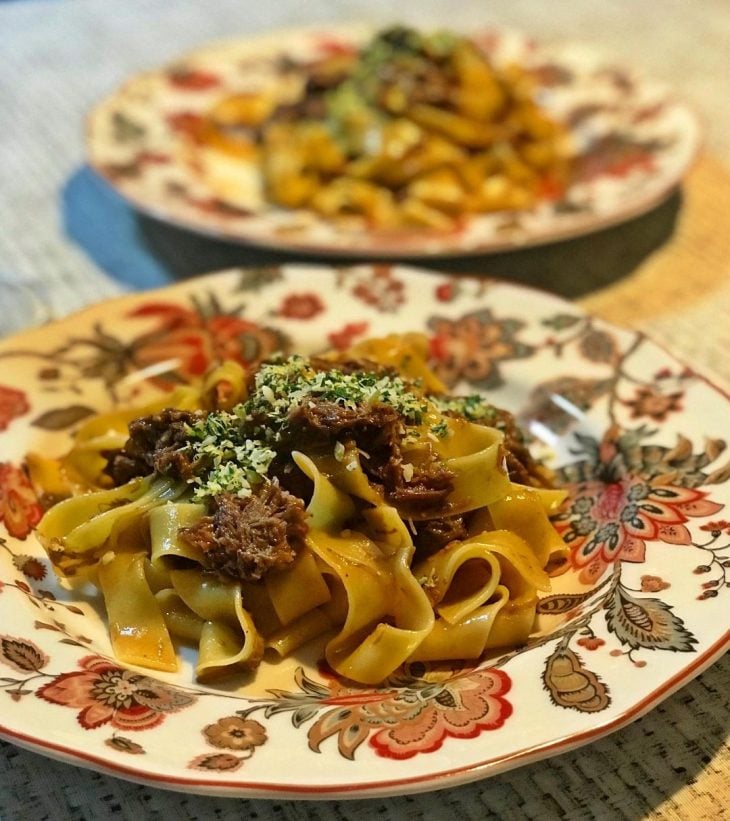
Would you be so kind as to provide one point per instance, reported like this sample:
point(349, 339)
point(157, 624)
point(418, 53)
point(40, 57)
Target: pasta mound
point(412, 131)
point(346, 497)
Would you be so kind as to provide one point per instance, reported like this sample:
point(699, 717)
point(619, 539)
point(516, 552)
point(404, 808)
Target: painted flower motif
point(380, 288)
point(616, 506)
point(346, 336)
point(447, 291)
point(607, 523)
point(221, 762)
point(19, 508)
point(301, 306)
point(30, 566)
point(124, 745)
point(105, 693)
point(402, 722)
point(653, 584)
point(13, 403)
point(188, 79)
point(235, 733)
point(192, 340)
point(650, 402)
point(472, 346)
point(717, 527)
point(591, 642)
point(184, 122)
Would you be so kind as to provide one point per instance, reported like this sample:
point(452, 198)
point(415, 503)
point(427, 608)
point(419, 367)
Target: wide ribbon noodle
point(407, 537)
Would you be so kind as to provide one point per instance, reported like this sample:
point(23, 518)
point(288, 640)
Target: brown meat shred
point(433, 534)
point(521, 467)
point(377, 430)
point(349, 365)
point(155, 443)
point(247, 537)
point(331, 419)
point(425, 492)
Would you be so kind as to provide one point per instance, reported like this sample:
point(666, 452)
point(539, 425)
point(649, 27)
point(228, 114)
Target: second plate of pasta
point(398, 141)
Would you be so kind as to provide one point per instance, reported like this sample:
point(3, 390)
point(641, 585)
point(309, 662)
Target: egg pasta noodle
point(345, 498)
point(412, 130)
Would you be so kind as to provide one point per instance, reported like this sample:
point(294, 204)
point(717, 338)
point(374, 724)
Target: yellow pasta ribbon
point(137, 628)
point(522, 511)
point(388, 614)
point(229, 639)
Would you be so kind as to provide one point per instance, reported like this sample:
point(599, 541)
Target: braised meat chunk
point(434, 534)
point(156, 443)
point(377, 430)
point(247, 537)
point(521, 466)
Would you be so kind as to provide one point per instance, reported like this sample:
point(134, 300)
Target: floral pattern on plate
point(632, 143)
point(636, 610)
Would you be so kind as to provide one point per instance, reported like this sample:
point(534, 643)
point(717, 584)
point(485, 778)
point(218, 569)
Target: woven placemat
point(680, 295)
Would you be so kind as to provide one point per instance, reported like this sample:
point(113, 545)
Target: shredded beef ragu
point(247, 537)
point(433, 534)
point(521, 467)
point(156, 443)
point(377, 430)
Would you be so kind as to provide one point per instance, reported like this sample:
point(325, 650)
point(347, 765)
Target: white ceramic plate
point(633, 142)
point(643, 608)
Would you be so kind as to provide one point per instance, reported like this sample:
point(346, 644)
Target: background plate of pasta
point(361, 141)
point(397, 529)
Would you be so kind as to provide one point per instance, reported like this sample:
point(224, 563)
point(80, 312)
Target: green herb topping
point(474, 408)
point(238, 447)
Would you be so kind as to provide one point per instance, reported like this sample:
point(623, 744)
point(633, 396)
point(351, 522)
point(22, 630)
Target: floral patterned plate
point(642, 608)
point(633, 143)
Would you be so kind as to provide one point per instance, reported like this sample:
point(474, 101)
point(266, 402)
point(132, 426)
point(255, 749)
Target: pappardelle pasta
point(411, 131)
point(346, 497)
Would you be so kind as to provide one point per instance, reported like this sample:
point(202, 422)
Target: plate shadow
point(142, 252)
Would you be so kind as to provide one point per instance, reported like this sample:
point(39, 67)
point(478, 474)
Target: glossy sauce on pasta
point(344, 498)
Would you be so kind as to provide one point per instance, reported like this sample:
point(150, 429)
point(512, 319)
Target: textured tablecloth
point(65, 241)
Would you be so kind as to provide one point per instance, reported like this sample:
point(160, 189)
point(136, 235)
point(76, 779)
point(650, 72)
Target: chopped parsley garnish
point(234, 461)
point(236, 448)
point(473, 408)
point(282, 387)
point(440, 430)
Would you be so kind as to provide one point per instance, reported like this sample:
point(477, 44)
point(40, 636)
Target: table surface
point(66, 242)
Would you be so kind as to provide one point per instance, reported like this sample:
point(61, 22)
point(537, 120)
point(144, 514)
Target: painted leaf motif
point(42, 625)
point(647, 623)
point(61, 418)
point(561, 321)
point(22, 655)
point(573, 686)
point(562, 602)
point(598, 346)
point(303, 714)
point(350, 732)
point(222, 762)
point(125, 129)
point(681, 451)
point(717, 477)
point(124, 745)
point(550, 402)
point(713, 448)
